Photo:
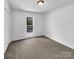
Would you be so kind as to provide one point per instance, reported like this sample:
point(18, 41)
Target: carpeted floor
point(38, 48)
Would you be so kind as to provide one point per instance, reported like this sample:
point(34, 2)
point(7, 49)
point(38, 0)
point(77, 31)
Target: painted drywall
point(59, 25)
point(7, 29)
point(19, 24)
point(31, 5)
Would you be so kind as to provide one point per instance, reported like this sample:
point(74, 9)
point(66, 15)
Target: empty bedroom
point(38, 29)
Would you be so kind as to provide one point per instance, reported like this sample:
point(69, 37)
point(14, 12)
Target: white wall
point(7, 29)
point(19, 24)
point(59, 25)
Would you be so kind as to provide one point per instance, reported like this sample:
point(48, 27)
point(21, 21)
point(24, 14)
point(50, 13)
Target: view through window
point(29, 24)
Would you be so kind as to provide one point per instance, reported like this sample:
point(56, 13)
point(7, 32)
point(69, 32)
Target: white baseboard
point(25, 37)
point(6, 46)
point(52, 38)
point(36, 36)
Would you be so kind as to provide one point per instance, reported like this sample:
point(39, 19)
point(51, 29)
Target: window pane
point(29, 24)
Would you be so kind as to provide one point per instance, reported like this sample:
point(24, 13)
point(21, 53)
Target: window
point(29, 24)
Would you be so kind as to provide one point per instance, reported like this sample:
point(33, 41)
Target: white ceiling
point(31, 5)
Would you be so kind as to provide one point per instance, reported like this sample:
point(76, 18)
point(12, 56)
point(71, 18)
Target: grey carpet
point(38, 48)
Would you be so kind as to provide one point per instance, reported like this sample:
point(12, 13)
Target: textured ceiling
point(31, 5)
